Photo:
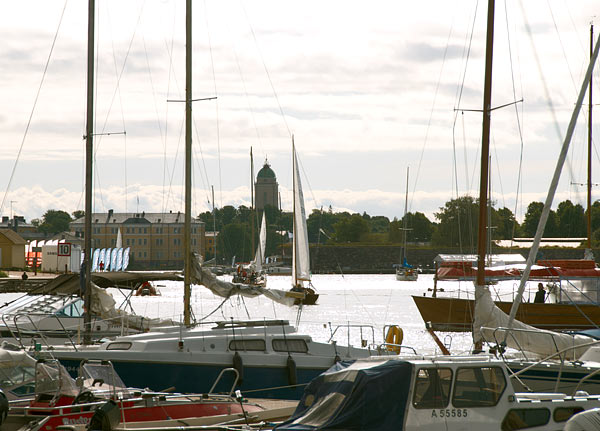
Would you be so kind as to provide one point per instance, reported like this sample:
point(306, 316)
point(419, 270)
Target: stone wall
point(381, 258)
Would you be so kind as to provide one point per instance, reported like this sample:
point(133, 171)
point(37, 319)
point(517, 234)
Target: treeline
point(454, 225)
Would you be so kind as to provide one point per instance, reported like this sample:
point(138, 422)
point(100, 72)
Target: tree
point(532, 219)
point(78, 214)
point(571, 220)
point(350, 229)
point(235, 240)
point(420, 227)
point(55, 221)
point(505, 223)
point(458, 220)
point(318, 220)
point(395, 233)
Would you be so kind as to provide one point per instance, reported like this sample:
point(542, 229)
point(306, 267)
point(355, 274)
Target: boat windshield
point(73, 309)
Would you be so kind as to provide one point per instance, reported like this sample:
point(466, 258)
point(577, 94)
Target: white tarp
point(542, 342)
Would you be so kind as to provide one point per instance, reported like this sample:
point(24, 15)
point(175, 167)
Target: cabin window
point(432, 388)
point(249, 345)
point(292, 346)
point(121, 345)
point(563, 414)
point(75, 309)
point(518, 419)
point(478, 387)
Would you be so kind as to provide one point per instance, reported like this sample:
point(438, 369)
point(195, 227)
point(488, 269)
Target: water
point(370, 300)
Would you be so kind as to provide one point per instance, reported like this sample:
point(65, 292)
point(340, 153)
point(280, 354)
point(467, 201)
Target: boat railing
point(218, 379)
point(560, 353)
point(364, 342)
point(384, 349)
point(28, 316)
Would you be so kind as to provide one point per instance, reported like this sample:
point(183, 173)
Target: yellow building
point(12, 249)
point(155, 239)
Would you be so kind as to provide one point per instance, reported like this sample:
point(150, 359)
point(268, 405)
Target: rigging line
point(435, 94)
point(212, 64)
point(266, 70)
point(308, 182)
point(204, 178)
point(518, 118)
point(37, 95)
point(169, 50)
point(117, 88)
point(544, 83)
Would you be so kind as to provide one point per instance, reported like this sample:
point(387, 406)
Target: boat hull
point(258, 382)
point(456, 315)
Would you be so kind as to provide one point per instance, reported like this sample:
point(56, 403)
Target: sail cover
point(225, 289)
point(301, 257)
point(370, 394)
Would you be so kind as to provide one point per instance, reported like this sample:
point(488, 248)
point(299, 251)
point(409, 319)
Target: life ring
point(394, 338)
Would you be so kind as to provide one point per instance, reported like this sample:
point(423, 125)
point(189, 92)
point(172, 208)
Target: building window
point(144, 241)
point(139, 230)
point(145, 230)
point(139, 241)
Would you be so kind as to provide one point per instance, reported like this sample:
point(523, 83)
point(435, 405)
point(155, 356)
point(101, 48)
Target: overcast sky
point(367, 89)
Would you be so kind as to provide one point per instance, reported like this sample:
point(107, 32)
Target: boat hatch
point(119, 345)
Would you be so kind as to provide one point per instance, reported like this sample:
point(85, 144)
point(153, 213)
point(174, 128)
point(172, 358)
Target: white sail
point(119, 243)
point(300, 257)
point(259, 257)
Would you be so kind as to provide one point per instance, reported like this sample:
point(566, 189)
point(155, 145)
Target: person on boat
point(540, 295)
point(24, 276)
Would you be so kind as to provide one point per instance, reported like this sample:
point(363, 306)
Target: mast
point(404, 223)
point(251, 200)
point(589, 170)
point(187, 264)
point(485, 148)
point(294, 228)
point(214, 224)
point(89, 136)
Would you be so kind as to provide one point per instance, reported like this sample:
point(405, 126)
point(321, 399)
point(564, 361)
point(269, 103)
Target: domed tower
point(266, 189)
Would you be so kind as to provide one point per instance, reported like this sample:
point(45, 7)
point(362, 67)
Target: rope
point(37, 95)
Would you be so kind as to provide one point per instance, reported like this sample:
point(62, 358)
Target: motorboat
point(429, 393)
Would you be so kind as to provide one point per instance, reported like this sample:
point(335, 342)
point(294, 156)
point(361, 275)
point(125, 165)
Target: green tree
point(504, 222)
point(319, 219)
point(235, 241)
point(395, 233)
point(379, 224)
point(55, 221)
point(420, 227)
point(78, 214)
point(351, 229)
point(457, 226)
point(571, 220)
point(532, 218)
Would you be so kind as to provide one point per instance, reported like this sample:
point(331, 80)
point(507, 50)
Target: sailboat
point(305, 295)
point(404, 271)
point(253, 273)
point(489, 322)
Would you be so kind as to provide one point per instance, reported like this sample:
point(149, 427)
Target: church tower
point(266, 189)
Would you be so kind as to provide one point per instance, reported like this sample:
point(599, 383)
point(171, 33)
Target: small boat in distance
point(404, 271)
point(305, 295)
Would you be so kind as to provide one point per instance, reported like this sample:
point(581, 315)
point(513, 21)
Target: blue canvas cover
point(355, 395)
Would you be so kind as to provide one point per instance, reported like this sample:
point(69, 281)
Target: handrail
point(40, 332)
point(224, 370)
point(557, 353)
point(383, 348)
point(348, 326)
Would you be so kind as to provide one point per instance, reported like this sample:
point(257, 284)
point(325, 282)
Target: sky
point(369, 90)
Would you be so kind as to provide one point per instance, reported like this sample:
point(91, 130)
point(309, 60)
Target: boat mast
point(294, 227)
point(251, 201)
point(404, 221)
point(89, 136)
point(589, 178)
point(214, 224)
point(485, 148)
point(187, 264)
